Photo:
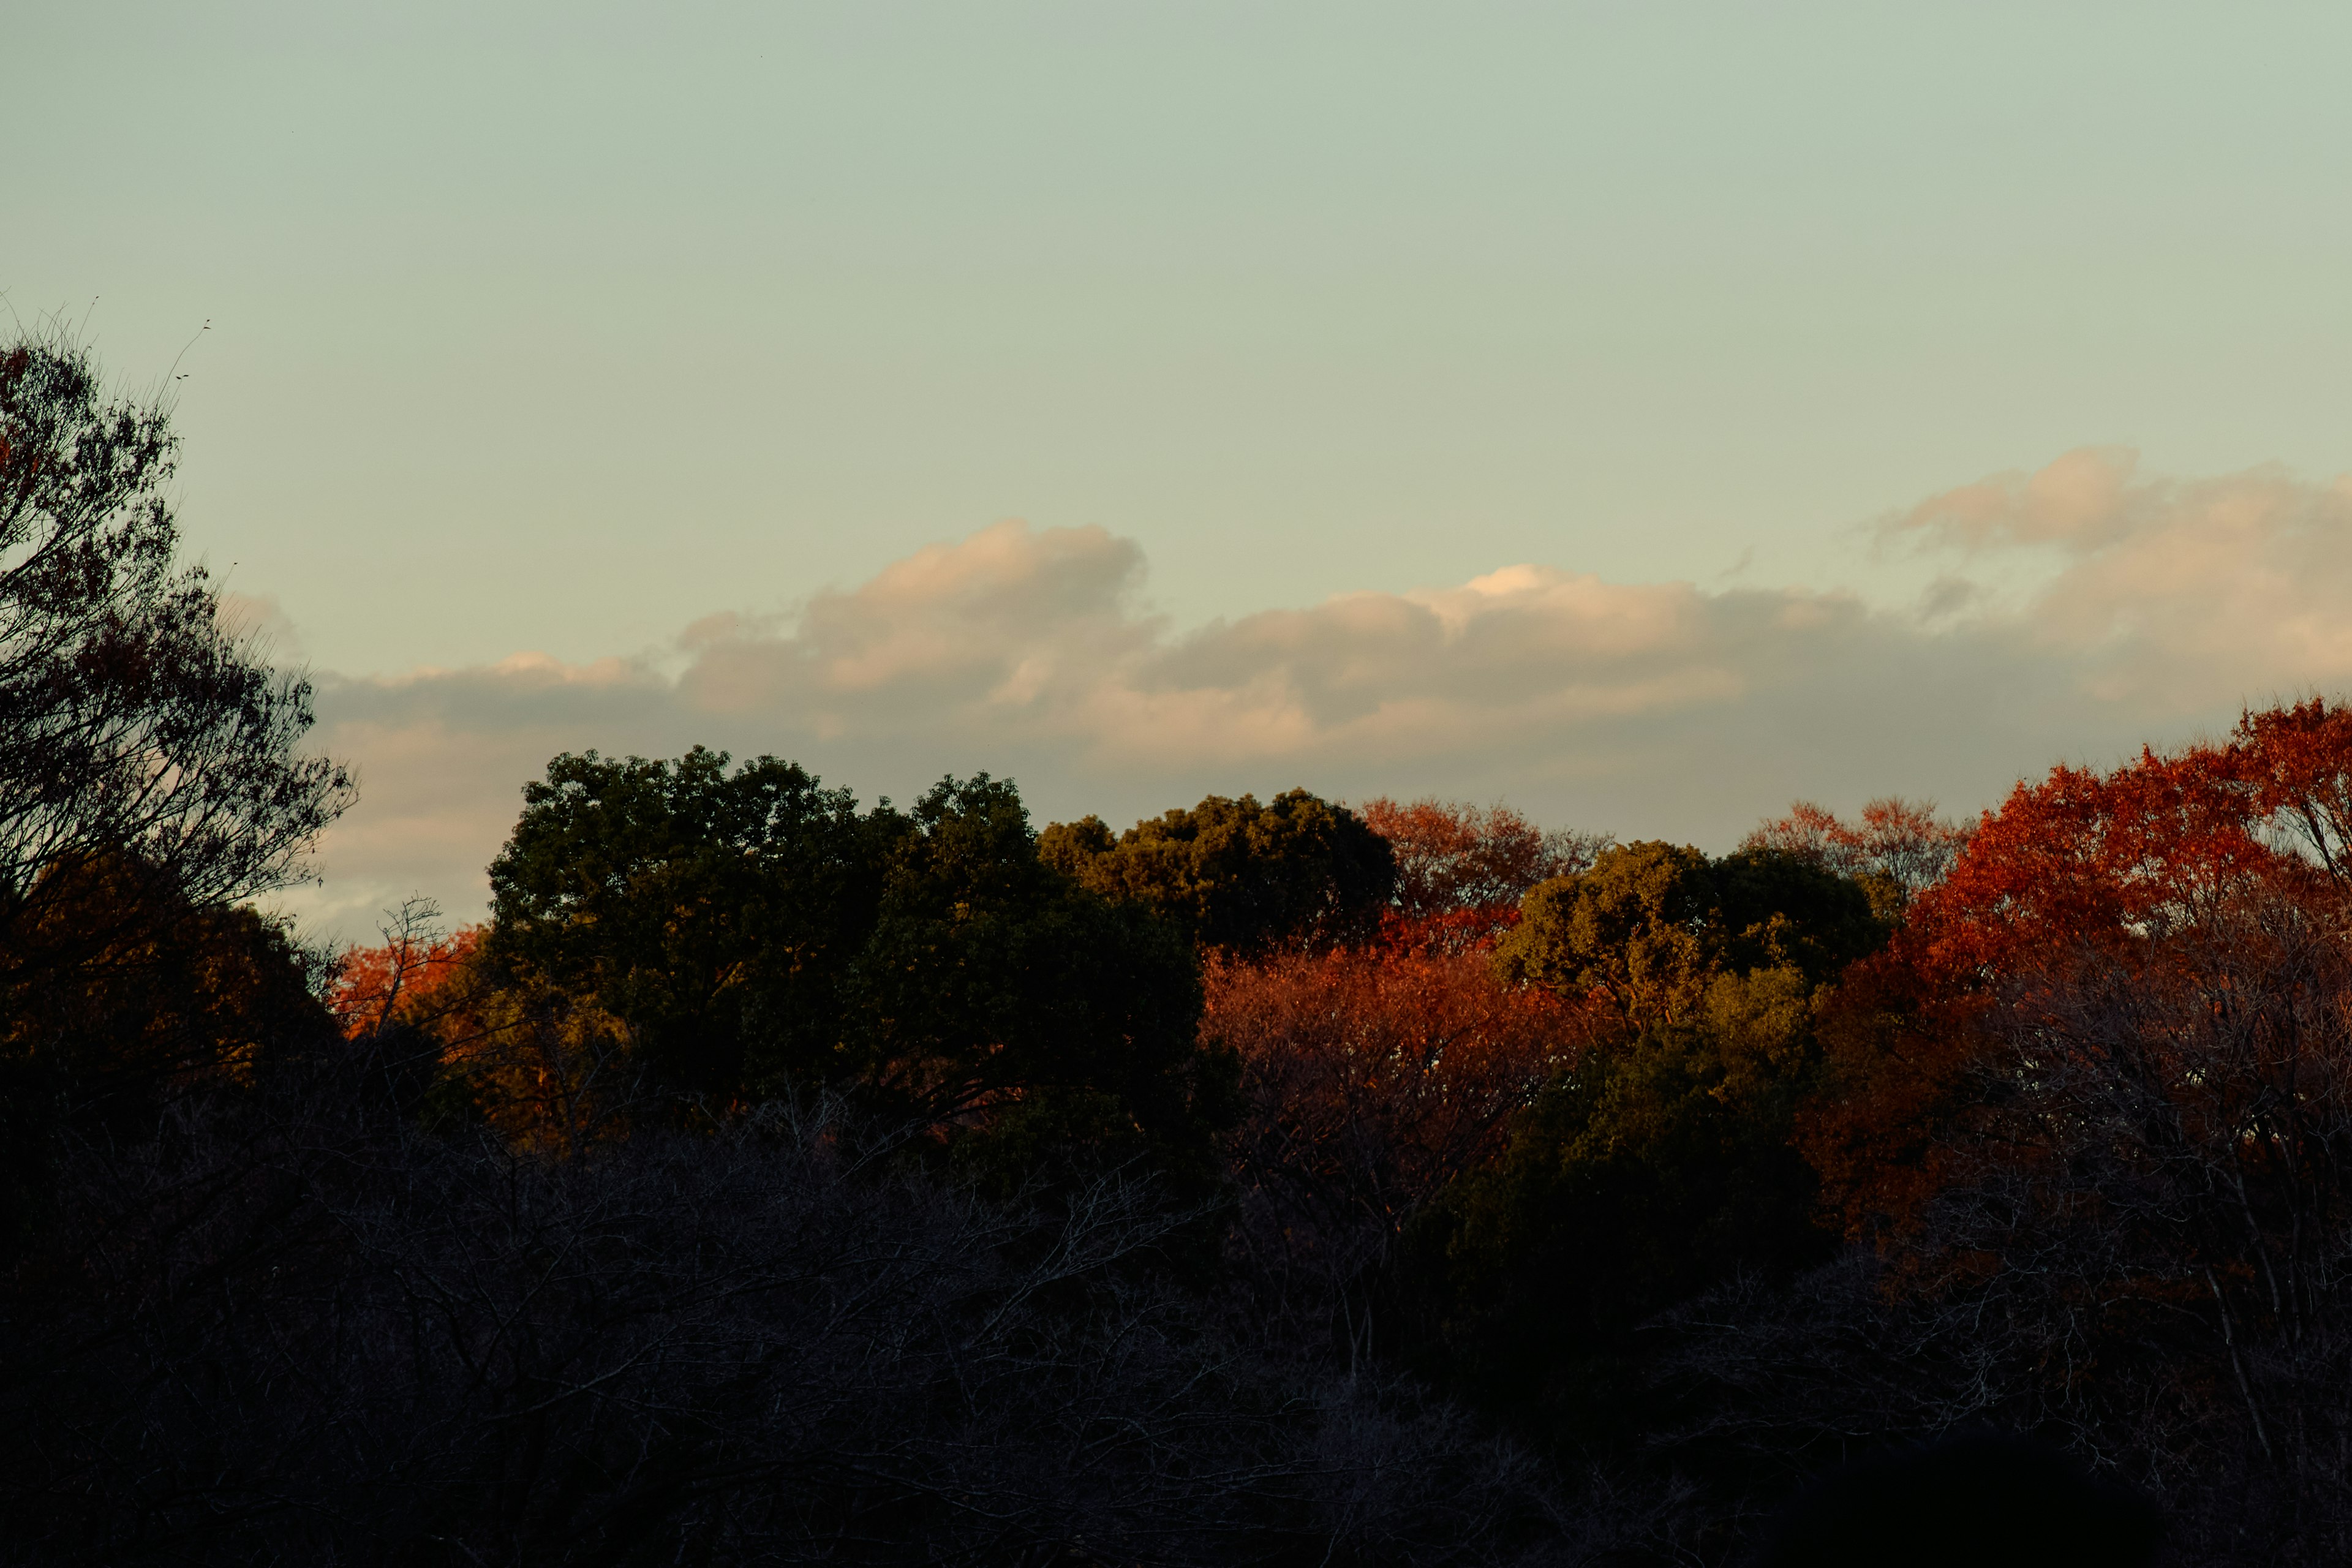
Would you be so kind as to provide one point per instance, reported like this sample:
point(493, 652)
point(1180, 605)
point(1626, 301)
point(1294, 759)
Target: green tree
point(1035, 1018)
point(1660, 1164)
point(1651, 925)
point(716, 912)
point(755, 934)
point(1237, 873)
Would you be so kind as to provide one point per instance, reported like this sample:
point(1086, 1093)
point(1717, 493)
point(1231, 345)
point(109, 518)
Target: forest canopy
point(773, 1176)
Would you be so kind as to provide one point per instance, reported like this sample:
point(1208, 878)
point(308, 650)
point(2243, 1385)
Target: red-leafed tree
point(2291, 764)
point(2083, 868)
point(1898, 848)
point(1462, 869)
point(547, 1069)
point(1370, 1079)
point(415, 977)
point(2094, 1106)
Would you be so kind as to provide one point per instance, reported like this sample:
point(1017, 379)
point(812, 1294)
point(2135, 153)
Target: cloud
point(2150, 609)
point(2174, 597)
point(2076, 499)
point(441, 756)
point(993, 625)
point(259, 619)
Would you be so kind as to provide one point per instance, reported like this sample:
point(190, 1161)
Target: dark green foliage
point(1236, 873)
point(993, 983)
point(715, 913)
point(1660, 1165)
point(757, 936)
point(1654, 1170)
point(1637, 925)
point(1780, 908)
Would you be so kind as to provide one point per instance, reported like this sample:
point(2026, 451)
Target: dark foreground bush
point(285, 1325)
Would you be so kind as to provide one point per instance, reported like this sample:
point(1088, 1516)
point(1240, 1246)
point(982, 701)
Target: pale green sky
point(559, 326)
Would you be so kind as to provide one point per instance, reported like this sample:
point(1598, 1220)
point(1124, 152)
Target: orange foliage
point(413, 978)
point(1462, 869)
point(1373, 1076)
point(546, 1070)
point(2292, 762)
point(2082, 870)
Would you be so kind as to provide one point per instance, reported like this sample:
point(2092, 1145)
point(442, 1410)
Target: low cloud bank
point(2080, 611)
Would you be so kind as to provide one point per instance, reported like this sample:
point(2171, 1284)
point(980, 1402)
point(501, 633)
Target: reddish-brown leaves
point(1462, 869)
point(2086, 871)
point(1373, 1076)
point(1903, 841)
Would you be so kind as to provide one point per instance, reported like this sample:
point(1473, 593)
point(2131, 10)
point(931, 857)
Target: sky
point(1643, 413)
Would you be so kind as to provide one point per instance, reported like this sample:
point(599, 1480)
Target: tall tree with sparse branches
point(139, 728)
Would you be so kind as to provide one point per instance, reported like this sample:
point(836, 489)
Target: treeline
point(773, 1176)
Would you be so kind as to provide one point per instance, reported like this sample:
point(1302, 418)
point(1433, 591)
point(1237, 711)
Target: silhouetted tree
point(997, 997)
point(713, 912)
point(741, 935)
point(137, 726)
point(149, 778)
